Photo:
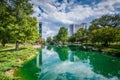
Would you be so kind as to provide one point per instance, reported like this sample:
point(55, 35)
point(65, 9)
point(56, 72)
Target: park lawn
point(113, 49)
point(10, 60)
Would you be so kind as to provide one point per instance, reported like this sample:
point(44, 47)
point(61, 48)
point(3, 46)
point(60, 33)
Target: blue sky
point(57, 13)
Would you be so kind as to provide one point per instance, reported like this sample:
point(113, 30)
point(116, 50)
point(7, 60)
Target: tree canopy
point(104, 35)
point(105, 29)
point(16, 25)
point(49, 40)
point(107, 20)
point(79, 36)
point(62, 34)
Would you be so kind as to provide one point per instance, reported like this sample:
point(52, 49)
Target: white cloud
point(36, 11)
point(49, 29)
point(106, 7)
point(68, 13)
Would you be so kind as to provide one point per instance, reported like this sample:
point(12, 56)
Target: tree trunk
point(3, 43)
point(105, 44)
point(17, 45)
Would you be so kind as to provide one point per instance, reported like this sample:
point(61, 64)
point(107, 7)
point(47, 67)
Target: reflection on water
point(70, 63)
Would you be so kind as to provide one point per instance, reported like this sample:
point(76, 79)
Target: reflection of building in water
point(39, 60)
point(71, 56)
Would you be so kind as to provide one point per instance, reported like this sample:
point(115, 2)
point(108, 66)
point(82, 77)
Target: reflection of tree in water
point(79, 52)
point(29, 70)
point(105, 65)
point(49, 47)
point(102, 64)
point(73, 48)
point(62, 52)
point(77, 48)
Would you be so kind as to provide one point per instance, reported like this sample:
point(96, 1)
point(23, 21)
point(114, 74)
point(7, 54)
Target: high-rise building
point(40, 27)
point(75, 27)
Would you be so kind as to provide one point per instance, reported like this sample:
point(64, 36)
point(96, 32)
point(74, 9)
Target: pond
point(70, 63)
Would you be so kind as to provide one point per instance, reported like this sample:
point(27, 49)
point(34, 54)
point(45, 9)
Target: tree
point(104, 35)
point(22, 12)
point(40, 40)
point(49, 39)
point(79, 36)
point(107, 20)
point(26, 33)
point(105, 29)
point(55, 39)
point(16, 24)
point(117, 37)
point(62, 34)
point(92, 27)
point(72, 39)
point(6, 19)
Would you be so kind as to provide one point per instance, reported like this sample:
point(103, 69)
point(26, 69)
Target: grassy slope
point(11, 59)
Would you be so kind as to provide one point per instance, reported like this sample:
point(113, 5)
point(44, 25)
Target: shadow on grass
point(11, 50)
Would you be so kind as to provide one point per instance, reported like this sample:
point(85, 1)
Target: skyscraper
point(75, 27)
point(40, 27)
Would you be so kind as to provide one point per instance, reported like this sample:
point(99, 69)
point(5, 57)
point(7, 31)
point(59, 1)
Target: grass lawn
point(10, 59)
point(113, 49)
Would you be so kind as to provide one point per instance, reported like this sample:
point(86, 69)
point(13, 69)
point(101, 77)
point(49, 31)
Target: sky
point(58, 13)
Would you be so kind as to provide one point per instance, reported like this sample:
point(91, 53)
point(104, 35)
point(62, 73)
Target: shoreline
point(104, 50)
point(13, 63)
point(12, 71)
point(14, 74)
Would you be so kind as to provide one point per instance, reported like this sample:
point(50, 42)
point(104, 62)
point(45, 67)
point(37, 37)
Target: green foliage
point(6, 19)
point(62, 34)
point(16, 25)
point(105, 29)
point(93, 27)
point(104, 35)
point(62, 52)
point(117, 31)
point(72, 39)
point(49, 39)
point(79, 36)
point(26, 33)
point(107, 20)
point(55, 39)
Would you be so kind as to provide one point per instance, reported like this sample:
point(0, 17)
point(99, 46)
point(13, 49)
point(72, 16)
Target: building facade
point(40, 27)
point(75, 27)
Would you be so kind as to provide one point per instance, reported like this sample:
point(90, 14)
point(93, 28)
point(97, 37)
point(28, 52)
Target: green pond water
point(70, 63)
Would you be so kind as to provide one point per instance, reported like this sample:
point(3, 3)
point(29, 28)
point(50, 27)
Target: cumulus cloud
point(69, 12)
